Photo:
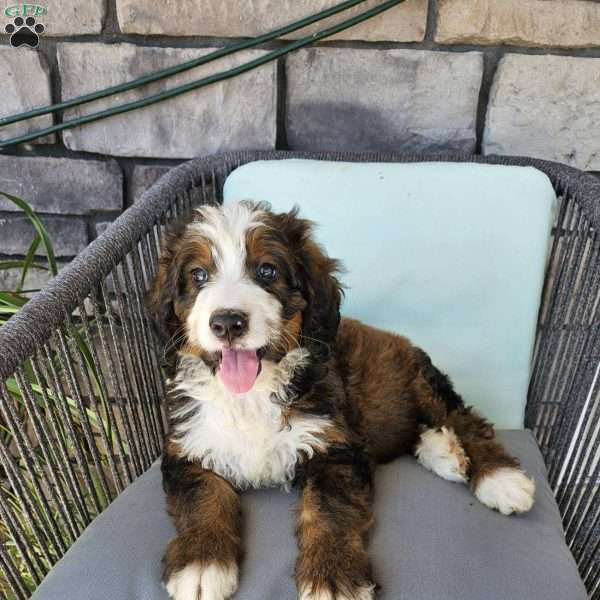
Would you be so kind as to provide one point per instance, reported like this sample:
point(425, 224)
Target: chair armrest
point(81, 389)
point(564, 394)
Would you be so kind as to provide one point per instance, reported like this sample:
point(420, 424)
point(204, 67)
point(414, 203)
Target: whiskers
point(174, 341)
point(312, 339)
point(286, 342)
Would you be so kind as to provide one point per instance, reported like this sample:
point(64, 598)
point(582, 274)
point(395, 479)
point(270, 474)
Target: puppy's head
point(240, 285)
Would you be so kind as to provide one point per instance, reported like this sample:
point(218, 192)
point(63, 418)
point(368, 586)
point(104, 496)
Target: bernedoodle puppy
point(269, 387)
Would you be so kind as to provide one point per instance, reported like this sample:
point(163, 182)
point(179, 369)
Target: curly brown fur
point(206, 512)
point(341, 395)
point(334, 519)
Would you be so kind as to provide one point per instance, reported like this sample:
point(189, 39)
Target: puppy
point(269, 387)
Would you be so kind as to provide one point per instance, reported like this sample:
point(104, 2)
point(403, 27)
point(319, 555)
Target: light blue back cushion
point(451, 255)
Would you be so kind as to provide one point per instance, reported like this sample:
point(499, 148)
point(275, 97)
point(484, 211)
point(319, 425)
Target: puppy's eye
point(200, 276)
point(267, 271)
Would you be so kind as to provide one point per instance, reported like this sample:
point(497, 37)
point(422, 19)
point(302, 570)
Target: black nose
point(229, 324)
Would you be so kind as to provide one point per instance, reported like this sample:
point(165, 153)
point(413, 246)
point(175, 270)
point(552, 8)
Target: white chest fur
point(243, 437)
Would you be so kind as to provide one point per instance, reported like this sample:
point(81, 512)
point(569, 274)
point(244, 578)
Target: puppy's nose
point(228, 324)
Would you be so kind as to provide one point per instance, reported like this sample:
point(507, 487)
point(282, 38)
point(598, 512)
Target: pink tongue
point(239, 369)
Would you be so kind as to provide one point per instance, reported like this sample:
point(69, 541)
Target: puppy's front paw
point(507, 490)
point(203, 582)
point(359, 593)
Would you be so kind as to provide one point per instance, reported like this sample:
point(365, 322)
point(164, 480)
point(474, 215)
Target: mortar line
point(490, 67)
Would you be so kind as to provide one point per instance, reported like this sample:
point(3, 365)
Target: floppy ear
point(160, 299)
point(324, 296)
point(320, 288)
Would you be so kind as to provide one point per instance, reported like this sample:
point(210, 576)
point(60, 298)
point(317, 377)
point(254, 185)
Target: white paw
point(507, 490)
point(440, 451)
point(361, 593)
point(211, 582)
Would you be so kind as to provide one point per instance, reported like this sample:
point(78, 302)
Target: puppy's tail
point(438, 398)
point(439, 405)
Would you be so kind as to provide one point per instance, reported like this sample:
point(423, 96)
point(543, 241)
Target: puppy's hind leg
point(459, 445)
point(495, 476)
point(439, 450)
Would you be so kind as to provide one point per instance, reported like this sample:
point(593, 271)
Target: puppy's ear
point(319, 285)
point(160, 299)
point(324, 296)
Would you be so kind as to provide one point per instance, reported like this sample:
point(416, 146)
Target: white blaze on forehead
point(230, 287)
point(226, 228)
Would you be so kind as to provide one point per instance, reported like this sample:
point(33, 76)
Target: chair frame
point(82, 392)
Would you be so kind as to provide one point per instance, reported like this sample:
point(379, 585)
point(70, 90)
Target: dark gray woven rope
point(79, 436)
point(23, 333)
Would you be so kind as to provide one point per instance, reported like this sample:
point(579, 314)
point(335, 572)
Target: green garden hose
point(164, 73)
point(205, 81)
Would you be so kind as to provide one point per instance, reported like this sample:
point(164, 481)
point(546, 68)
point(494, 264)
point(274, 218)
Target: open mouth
point(239, 368)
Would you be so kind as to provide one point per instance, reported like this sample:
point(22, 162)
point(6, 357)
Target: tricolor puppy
point(270, 388)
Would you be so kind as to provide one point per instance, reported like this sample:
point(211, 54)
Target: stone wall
point(485, 76)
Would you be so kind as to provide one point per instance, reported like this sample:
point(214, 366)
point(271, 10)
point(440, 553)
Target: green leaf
point(27, 291)
point(29, 257)
point(39, 227)
point(13, 388)
point(93, 371)
point(8, 310)
point(12, 300)
point(18, 264)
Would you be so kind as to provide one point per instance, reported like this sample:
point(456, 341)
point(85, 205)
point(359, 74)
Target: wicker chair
point(81, 389)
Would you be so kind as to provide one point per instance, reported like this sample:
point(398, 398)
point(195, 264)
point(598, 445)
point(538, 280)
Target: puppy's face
point(240, 285)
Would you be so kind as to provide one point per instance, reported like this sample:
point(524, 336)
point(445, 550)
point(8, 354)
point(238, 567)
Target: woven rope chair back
point(82, 392)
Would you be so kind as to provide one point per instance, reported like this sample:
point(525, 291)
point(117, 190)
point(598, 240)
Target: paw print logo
point(24, 32)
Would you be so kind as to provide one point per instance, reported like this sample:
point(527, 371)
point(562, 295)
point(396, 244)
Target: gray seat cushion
point(432, 540)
